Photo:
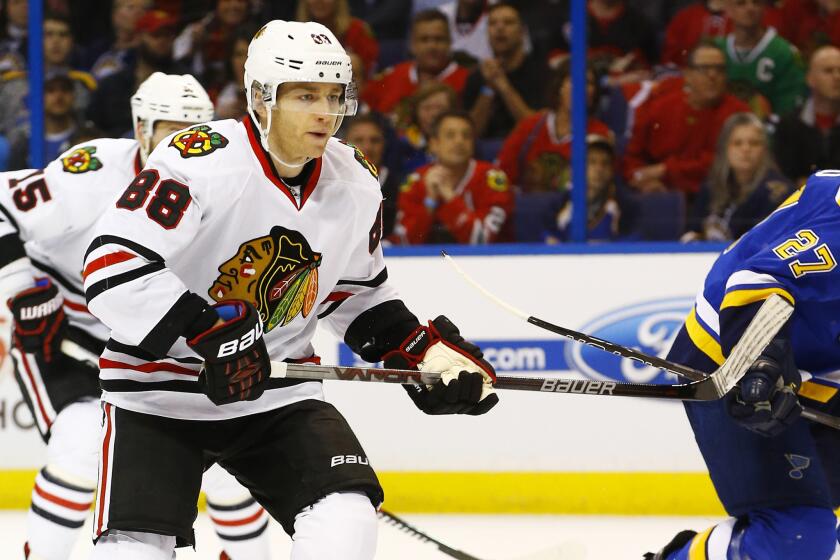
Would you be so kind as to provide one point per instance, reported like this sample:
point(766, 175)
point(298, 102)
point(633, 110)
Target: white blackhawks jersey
point(208, 215)
point(52, 211)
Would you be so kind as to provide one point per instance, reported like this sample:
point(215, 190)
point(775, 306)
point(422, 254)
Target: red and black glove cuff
point(39, 318)
point(413, 349)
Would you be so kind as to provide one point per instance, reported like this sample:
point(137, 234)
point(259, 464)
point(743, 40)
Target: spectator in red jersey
point(744, 185)
point(622, 42)
point(506, 87)
point(355, 35)
point(537, 154)
point(432, 61)
point(415, 122)
point(707, 19)
point(202, 46)
point(809, 139)
point(698, 21)
point(809, 24)
point(674, 135)
point(456, 199)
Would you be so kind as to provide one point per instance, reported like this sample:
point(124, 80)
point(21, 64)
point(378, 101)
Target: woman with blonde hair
point(744, 184)
point(355, 34)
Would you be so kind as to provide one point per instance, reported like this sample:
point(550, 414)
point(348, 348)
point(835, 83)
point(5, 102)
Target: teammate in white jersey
point(227, 250)
point(52, 212)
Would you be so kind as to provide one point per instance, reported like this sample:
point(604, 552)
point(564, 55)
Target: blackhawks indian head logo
point(81, 160)
point(278, 273)
point(198, 141)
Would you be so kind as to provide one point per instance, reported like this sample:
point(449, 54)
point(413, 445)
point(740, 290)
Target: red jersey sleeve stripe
point(106, 260)
point(150, 367)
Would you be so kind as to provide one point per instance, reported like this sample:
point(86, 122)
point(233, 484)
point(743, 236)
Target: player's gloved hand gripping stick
point(40, 322)
point(235, 357)
point(466, 378)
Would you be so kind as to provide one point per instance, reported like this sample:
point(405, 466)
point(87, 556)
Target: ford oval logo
point(647, 327)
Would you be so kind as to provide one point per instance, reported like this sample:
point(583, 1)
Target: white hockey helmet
point(169, 97)
point(291, 51)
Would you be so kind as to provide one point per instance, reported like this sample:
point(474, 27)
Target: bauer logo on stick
point(198, 141)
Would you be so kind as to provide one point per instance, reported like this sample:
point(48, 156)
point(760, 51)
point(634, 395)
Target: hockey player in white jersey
point(227, 250)
point(53, 211)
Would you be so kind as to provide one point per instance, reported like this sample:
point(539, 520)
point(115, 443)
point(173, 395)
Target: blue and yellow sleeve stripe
point(738, 296)
point(703, 337)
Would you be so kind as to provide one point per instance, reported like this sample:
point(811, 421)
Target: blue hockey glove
point(764, 400)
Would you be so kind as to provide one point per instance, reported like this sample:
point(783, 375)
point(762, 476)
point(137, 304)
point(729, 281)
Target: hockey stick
point(623, 351)
point(569, 551)
point(403, 525)
point(770, 317)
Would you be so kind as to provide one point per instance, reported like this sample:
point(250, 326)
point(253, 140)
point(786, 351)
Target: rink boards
point(534, 453)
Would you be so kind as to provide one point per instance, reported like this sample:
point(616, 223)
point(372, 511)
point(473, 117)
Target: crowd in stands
point(703, 116)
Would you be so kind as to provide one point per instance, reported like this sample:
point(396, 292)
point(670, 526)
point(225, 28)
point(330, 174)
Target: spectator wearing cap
point(110, 108)
point(537, 155)
point(354, 34)
point(58, 52)
point(124, 17)
point(809, 139)
point(14, 18)
point(744, 185)
point(674, 134)
point(430, 44)
point(202, 46)
point(507, 86)
point(758, 59)
point(602, 209)
point(60, 122)
point(456, 199)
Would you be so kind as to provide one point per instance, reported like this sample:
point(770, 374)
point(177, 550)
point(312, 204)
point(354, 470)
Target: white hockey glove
point(466, 386)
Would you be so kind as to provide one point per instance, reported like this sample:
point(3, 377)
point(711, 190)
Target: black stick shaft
point(653, 361)
point(417, 533)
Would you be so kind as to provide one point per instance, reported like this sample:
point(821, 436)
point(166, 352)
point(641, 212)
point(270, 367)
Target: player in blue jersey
point(776, 474)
